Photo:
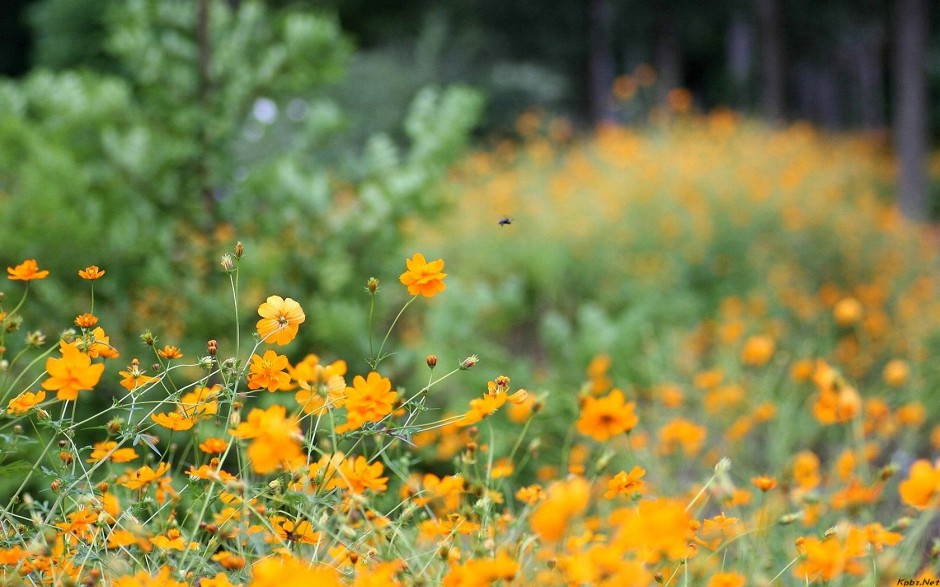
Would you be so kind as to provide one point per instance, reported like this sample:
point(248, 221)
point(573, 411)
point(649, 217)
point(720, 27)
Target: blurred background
point(639, 149)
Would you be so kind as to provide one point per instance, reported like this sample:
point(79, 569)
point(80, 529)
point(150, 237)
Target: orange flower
point(654, 529)
point(922, 487)
point(482, 571)
point(806, 470)
point(25, 401)
point(531, 494)
point(213, 446)
point(681, 432)
point(108, 449)
point(28, 270)
point(368, 400)
point(287, 571)
point(322, 387)
point(280, 320)
point(764, 482)
point(564, 501)
point(497, 394)
point(144, 476)
point(98, 344)
point(727, 580)
point(423, 278)
point(625, 483)
point(830, 558)
point(134, 377)
point(268, 372)
point(896, 372)
point(757, 351)
point(174, 421)
point(170, 352)
point(72, 373)
point(86, 320)
point(201, 403)
point(274, 439)
point(144, 579)
point(847, 311)
point(91, 273)
point(604, 417)
point(299, 531)
point(357, 475)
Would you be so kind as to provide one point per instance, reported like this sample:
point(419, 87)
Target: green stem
point(377, 358)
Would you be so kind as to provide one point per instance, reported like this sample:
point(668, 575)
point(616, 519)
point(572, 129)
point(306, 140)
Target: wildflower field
point(697, 353)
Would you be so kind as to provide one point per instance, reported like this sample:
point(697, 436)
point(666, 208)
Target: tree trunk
point(772, 78)
point(204, 45)
point(910, 109)
point(668, 56)
point(739, 50)
point(600, 61)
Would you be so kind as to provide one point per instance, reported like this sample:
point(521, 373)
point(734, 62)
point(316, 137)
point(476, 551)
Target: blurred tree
point(910, 114)
point(215, 123)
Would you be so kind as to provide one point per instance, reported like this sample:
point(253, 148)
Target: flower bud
point(372, 285)
point(239, 250)
point(431, 360)
point(213, 347)
point(148, 338)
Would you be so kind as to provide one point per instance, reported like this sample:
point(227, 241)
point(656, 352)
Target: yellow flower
point(72, 373)
point(280, 320)
point(423, 278)
point(28, 270)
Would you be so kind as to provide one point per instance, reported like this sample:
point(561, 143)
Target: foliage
point(210, 125)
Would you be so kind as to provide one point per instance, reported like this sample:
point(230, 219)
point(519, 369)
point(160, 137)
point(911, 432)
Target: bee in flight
point(505, 221)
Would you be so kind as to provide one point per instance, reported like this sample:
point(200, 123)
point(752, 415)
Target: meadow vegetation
point(696, 352)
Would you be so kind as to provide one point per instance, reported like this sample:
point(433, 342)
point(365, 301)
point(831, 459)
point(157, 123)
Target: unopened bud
point(114, 426)
point(431, 360)
point(12, 323)
point(372, 285)
point(213, 347)
point(239, 250)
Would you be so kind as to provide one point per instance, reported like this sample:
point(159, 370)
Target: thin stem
point(377, 358)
